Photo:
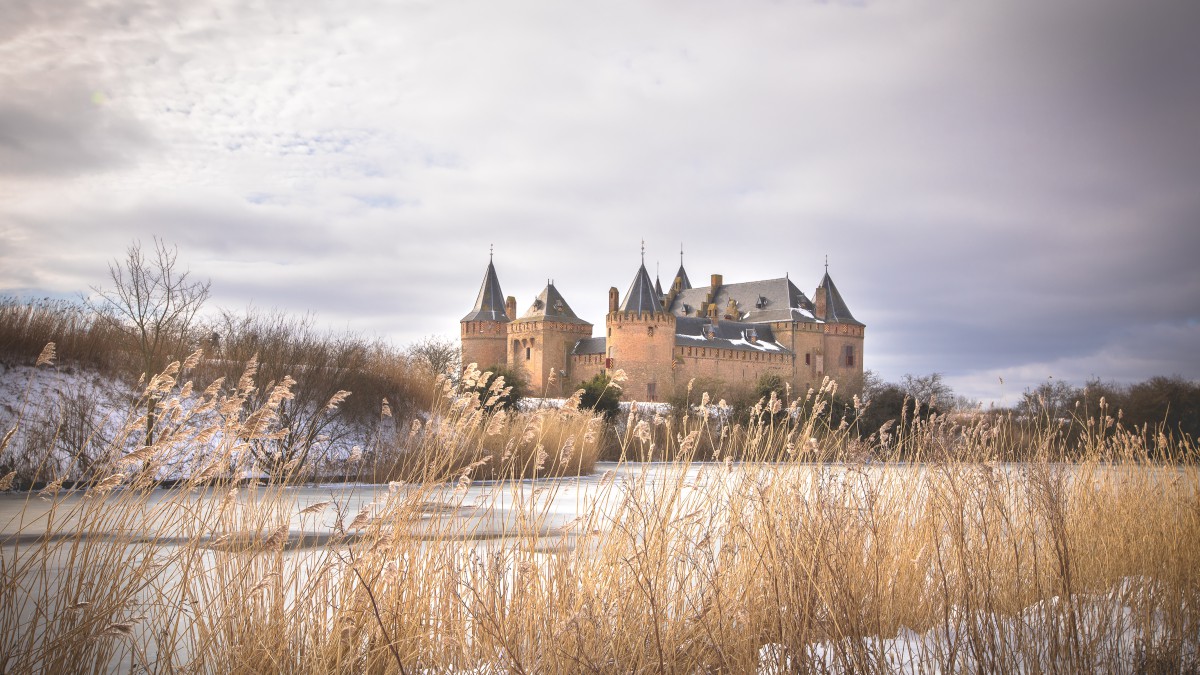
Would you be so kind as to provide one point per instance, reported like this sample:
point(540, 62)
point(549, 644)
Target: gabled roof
point(682, 276)
point(550, 305)
point(757, 301)
point(641, 296)
point(736, 335)
point(836, 310)
point(489, 306)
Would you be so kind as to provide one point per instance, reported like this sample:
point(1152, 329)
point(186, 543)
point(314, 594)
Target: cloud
point(997, 185)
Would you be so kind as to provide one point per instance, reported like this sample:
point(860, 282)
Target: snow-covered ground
point(63, 418)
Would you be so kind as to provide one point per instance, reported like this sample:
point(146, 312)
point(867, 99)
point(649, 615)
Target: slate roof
point(550, 305)
point(836, 310)
point(641, 296)
point(757, 301)
point(682, 275)
point(592, 345)
point(701, 332)
point(489, 305)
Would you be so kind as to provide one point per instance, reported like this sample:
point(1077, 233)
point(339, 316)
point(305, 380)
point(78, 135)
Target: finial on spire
point(491, 251)
point(643, 251)
point(827, 263)
point(681, 254)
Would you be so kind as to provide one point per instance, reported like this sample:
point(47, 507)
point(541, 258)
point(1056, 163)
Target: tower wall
point(536, 347)
point(844, 366)
point(483, 343)
point(643, 345)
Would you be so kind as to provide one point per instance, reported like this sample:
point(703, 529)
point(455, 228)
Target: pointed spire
point(681, 276)
point(641, 296)
point(836, 310)
point(489, 304)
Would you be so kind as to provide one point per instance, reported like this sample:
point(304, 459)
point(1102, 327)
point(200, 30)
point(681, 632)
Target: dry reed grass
point(779, 557)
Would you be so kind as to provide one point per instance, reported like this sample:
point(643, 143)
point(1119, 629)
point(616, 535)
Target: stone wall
point(483, 343)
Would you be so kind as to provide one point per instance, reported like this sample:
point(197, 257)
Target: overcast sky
point(1005, 189)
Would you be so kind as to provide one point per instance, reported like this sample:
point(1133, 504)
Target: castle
point(735, 333)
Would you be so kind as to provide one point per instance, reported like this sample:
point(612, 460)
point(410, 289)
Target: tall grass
point(799, 549)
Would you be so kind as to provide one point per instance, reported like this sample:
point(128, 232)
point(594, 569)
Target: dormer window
point(762, 302)
point(707, 331)
point(558, 306)
point(687, 309)
point(752, 336)
point(537, 303)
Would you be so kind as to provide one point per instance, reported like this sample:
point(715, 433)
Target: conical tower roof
point(836, 310)
point(550, 305)
point(684, 284)
point(658, 285)
point(489, 305)
point(641, 296)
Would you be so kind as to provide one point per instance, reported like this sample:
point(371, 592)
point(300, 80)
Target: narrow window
point(849, 355)
point(808, 359)
point(651, 392)
point(527, 353)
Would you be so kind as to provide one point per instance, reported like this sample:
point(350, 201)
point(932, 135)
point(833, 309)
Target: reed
point(799, 549)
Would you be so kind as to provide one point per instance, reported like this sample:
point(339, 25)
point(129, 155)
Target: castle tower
point(842, 343)
point(484, 330)
point(641, 340)
point(542, 340)
point(678, 285)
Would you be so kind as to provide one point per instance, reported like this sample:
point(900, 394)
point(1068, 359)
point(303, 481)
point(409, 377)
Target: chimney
point(820, 309)
point(510, 308)
point(716, 283)
point(613, 300)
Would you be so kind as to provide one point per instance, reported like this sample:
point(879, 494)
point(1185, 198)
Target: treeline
point(1159, 405)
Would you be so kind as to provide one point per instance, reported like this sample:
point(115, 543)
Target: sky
point(1007, 191)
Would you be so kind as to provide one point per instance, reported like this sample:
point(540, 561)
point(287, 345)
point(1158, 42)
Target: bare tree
point(154, 303)
point(437, 354)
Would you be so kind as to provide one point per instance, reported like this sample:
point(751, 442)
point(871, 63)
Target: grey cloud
point(65, 129)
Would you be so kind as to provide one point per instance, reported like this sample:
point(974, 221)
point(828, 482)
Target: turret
point(542, 339)
point(484, 329)
point(842, 339)
point(641, 340)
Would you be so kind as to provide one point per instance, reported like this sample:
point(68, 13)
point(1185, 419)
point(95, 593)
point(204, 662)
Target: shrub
point(503, 397)
point(601, 395)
